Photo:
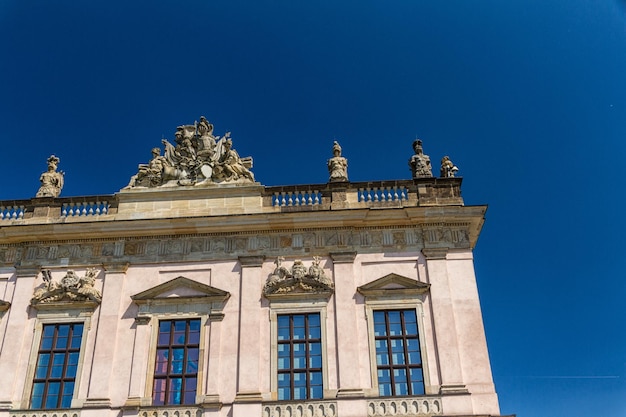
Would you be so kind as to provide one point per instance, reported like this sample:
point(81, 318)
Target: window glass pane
point(66, 399)
point(384, 382)
point(37, 397)
point(315, 348)
point(161, 361)
point(283, 328)
point(414, 358)
point(380, 328)
point(299, 393)
point(176, 385)
point(47, 337)
point(42, 365)
point(382, 355)
point(159, 392)
point(52, 398)
point(410, 316)
point(190, 391)
point(164, 333)
point(177, 360)
point(315, 332)
point(192, 360)
point(284, 387)
point(179, 332)
point(64, 330)
point(315, 361)
point(317, 392)
point(411, 329)
point(194, 332)
point(401, 386)
point(58, 359)
point(315, 378)
point(314, 320)
point(72, 365)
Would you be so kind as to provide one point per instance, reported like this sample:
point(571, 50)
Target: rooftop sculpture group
point(198, 156)
point(420, 164)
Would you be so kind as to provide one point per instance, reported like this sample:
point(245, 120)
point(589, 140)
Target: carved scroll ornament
point(298, 279)
point(70, 288)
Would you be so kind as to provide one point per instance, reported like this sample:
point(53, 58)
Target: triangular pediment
point(393, 285)
point(180, 289)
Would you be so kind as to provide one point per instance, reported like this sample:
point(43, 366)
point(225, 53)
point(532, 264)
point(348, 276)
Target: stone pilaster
point(444, 322)
point(106, 337)
point(248, 379)
point(212, 378)
point(18, 337)
point(348, 357)
point(139, 367)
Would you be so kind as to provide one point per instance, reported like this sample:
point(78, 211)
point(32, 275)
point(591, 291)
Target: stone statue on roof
point(51, 180)
point(197, 157)
point(448, 169)
point(337, 165)
point(420, 163)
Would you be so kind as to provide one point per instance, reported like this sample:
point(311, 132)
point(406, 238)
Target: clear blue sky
point(528, 97)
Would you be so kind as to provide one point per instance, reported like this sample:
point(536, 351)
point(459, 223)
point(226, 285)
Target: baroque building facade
point(196, 291)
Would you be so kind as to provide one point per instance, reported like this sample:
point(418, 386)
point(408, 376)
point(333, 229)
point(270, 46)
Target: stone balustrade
point(149, 204)
point(12, 212)
point(296, 198)
point(405, 407)
point(301, 409)
point(85, 208)
point(393, 193)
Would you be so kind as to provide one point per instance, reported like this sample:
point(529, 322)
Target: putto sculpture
point(448, 169)
point(198, 157)
point(297, 280)
point(420, 163)
point(337, 165)
point(51, 180)
point(70, 288)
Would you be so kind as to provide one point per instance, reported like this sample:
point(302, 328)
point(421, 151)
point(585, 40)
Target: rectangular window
point(176, 366)
point(299, 357)
point(398, 358)
point(57, 363)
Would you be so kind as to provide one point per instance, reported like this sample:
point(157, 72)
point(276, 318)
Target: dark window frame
point(407, 365)
point(172, 361)
point(308, 370)
point(49, 366)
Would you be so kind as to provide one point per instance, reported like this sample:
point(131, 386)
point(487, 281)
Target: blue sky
point(528, 98)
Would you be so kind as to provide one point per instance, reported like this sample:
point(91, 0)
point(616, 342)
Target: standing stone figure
point(420, 163)
point(448, 169)
point(337, 165)
point(51, 181)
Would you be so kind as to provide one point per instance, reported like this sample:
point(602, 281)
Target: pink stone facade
point(184, 255)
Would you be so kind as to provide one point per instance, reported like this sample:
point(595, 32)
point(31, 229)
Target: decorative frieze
point(296, 243)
